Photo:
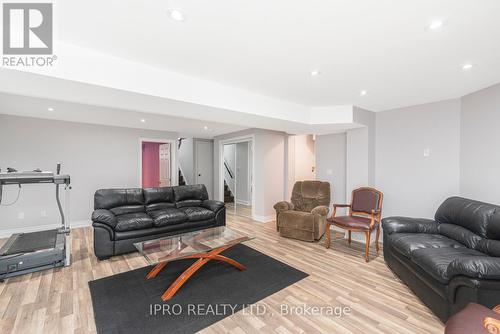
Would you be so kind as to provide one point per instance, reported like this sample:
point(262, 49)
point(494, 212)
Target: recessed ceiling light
point(176, 15)
point(143, 120)
point(466, 67)
point(205, 127)
point(50, 109)
point(435, 25)
point(363, 92)
point(315, 73)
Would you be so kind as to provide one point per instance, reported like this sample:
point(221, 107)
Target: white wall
point(95, 157)
point(186, 159)
point(480, 142)
point(415, 185)
point(331, 164)
point(300, 160)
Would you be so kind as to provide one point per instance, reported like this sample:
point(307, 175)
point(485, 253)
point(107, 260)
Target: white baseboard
point(263, 219)
point(26, 229)
point(241, 202)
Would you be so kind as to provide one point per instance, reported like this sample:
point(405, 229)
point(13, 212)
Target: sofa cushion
point(113, 198)
point(407, 243)
point(197, 213)
point(188, 202)
point(460, 234)
point(435, 261)
point(490, 247)
point(127, 209)
point(159, 198)
point(195, 192)
point(133, 221)
point(472, 215)
point(168, 216)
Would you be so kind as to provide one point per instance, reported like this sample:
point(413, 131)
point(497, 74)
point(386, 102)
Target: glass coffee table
point(204, 245)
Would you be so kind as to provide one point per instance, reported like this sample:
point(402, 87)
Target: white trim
point(263, 219)
point(235, 140)
point(27, 229)
point(173, 158)
point(242, 202)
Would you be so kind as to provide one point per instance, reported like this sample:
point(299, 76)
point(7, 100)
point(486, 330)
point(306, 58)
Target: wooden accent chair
point(364, 215)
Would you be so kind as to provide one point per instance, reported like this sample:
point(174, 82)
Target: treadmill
point(25, 253)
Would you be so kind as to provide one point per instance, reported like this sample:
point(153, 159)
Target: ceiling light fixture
point(50, 109)
point(205, 128)
point(143, 120)
point(435, 25)
point(466, 67)
point(363, 92)
point(176, 15)
point(315, 73)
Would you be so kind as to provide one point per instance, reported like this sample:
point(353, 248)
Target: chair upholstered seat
point(352, 222)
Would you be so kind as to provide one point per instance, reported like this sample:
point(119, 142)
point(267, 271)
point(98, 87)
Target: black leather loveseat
point(451, 260)
point(125, 216)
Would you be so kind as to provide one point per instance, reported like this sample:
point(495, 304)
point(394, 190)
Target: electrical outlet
point(427, 152)
point(20, 215)
point(43, 213)
point(329, 172)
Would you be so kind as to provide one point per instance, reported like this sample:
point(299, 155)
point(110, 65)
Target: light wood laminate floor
point(58, 301)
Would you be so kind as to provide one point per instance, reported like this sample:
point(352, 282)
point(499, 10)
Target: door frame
point(173, 158)
point(251, 176)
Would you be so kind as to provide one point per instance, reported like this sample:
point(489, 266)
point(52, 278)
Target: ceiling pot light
point(50, 109)
point(143, 120)
point(176, 15)
point(435, 25)
point(363, 92)
point(205, 128)
point(466, 67)
point(315, 73)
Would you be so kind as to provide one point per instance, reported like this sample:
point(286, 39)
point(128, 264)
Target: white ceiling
point(84, 113)
point(269, 47)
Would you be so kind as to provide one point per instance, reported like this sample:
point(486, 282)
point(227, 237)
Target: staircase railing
point(229, 171)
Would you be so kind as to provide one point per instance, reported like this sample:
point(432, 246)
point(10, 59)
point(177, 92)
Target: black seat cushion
point(197, 213)
point(407, 243)
point(168, 216)
point(133, 221)
point(435, 261)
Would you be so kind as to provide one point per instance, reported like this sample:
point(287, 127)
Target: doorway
point(156, 163)
point(238, 177)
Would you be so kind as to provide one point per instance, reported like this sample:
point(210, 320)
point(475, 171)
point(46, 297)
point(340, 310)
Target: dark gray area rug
point(128, 303)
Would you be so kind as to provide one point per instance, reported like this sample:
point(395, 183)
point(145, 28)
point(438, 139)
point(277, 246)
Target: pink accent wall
point(150, 164)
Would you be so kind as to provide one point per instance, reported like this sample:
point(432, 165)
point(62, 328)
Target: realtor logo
point(27, 29)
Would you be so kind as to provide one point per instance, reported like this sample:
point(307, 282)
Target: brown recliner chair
point(305, 217)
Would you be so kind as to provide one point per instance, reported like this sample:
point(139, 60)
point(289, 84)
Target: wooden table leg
point(156, 270)
point(202, 260)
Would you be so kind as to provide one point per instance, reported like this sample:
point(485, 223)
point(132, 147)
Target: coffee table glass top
point(187, 244)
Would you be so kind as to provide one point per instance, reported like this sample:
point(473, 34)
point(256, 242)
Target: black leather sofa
point(125, 216)
point(450, 261)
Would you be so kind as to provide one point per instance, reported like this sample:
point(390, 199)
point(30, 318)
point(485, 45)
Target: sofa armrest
point(212, 205)
point(409, 225)
point(104, 217)
point(482, 267)
point(283, 206)
point(320, 210)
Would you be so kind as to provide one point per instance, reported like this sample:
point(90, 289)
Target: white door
point(165, 173)
point(204, 164)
